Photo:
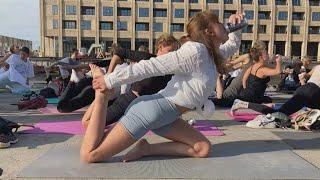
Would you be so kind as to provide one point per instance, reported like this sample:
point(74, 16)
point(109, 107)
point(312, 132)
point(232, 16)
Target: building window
point(282, 15)
point(157, 27)
point(296, 2)
point(108, 11)
point(314, 30)
point(179, 13)
point(177, 27)
point(69, 24)
point(262, 29)
point(245, 46)
point(315, 16)
point(227, 14)
point(159, 12)
point(248, 29)
point(124, 11)
point(106, 25)
point(122, 26)
point(86, 25)
point(295, 30)
point(87, 10)
point(264, 15)
point(54, 10)
point(142, 26)
point(249, 14)
point(193, 1)
point(228, 1)
point(55, 24)
point(281, 2)
point(71, 10)
point(298, 16)
point(279, 47)
point(262, 2)
point(177, 0)
point(193, 12)
point(314, 2)
point(212, 1)
point(143, 12)
point(280, 29)
point(216, 12)
point(246, 1)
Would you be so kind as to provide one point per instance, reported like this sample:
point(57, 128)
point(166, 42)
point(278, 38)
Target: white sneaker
point(74, 76)
point(262, 122)
point(191, 122)
point(238, 104)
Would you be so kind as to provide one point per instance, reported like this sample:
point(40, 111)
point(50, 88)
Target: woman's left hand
point(236, 18)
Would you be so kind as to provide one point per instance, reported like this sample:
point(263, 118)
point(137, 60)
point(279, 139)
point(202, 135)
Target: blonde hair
point(167, 40)
point(256, 50)
point(196, 30)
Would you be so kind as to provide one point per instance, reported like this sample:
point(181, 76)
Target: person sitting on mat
point(307, 95)
point(195, 67)
point(79, 94)
point(231, 92)
point(18, 72)
point(254, 80)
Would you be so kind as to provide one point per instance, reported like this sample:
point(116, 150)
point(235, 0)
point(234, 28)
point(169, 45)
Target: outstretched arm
point(181, 61)
point(121, 54)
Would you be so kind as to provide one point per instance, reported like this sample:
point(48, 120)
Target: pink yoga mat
point(243, 116)
point(74, 127)
point(247, 116)
point(52, 109)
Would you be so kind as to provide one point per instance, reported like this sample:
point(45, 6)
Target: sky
point(21, 19)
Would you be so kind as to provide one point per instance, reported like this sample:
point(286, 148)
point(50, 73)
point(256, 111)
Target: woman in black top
point(255, 79)
point(78, 95)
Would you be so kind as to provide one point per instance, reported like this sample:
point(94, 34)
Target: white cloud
point(20, 19)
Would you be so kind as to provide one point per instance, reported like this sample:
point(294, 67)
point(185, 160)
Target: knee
point(89, 157)
point(202, 149)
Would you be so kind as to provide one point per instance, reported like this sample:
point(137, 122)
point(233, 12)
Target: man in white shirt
point(19, 71)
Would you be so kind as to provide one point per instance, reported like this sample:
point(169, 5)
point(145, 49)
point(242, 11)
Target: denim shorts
point(149, 112)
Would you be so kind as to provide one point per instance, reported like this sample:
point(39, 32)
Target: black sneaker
point(7, 139)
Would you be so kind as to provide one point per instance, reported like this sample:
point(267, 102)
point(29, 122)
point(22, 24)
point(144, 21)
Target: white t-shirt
point(315, 78)
point(25, 68)
point(19, 70)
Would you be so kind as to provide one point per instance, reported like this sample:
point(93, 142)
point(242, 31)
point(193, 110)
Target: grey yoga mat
point(235, 160)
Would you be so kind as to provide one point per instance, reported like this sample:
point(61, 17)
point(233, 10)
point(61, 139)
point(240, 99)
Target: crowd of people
point(138, 91)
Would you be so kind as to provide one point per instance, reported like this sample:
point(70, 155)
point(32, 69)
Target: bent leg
point(98, 145)
point(186, 142)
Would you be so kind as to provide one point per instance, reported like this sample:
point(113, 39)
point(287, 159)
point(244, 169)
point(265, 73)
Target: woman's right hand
point(278, 58)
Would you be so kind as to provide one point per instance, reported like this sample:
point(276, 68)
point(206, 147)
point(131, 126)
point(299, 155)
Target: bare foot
point(96, 70)
point(138, 151)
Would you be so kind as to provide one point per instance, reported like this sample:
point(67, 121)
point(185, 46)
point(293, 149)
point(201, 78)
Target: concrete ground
point(30, 147)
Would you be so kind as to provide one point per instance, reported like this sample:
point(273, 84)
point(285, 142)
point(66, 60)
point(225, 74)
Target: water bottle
point(234, 27)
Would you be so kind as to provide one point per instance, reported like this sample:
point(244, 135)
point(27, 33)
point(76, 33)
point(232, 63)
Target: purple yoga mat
point(52, 109)
point(74, 127)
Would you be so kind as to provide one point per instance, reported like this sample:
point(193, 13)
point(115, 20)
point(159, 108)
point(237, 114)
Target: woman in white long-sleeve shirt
point(195, 66)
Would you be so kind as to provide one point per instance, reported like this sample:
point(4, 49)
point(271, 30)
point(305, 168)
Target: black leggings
point(76, 96)
point(79, 95)
point(306, 95)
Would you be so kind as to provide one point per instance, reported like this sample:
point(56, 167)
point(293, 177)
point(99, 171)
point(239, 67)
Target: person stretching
point(80, 94)
point(306, 95)
point(195, 67)
point(254, 80)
